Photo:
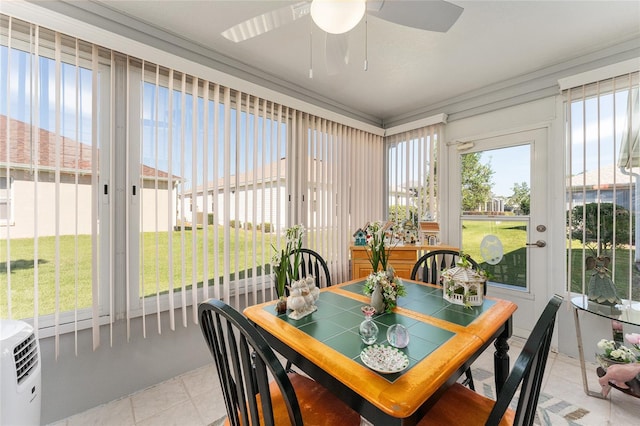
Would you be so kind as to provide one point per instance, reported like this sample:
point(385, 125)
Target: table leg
point(585, 383)
point(501, 362)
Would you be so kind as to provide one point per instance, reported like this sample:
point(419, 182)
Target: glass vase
point(368, 328)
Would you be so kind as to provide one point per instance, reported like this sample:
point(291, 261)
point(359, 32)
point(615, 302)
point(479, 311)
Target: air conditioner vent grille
point(26, 357)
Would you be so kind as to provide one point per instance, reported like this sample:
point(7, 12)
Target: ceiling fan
point(429, 15)
point(337, 17)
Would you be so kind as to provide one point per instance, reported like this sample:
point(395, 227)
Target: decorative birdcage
point(463, 285)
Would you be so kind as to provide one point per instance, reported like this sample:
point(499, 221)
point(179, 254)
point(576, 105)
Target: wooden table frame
point(344, 377)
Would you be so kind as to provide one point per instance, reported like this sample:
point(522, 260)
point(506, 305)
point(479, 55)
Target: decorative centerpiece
point(302, 298)
point(382, 284)
point(463, 285)
point(283, 270)
point(384, 288)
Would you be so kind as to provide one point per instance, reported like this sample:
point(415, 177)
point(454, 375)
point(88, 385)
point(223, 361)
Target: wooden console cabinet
point(402, 258)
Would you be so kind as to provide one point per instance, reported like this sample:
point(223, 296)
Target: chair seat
point(462, 406)
point(318, 406)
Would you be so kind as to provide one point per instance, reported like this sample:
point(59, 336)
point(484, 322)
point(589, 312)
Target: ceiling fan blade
point(336, 52)
point(430, 15)
point(267, 21)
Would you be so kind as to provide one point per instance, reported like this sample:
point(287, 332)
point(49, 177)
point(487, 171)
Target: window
point(53, 90)
point(603, 167)
point(6, 203)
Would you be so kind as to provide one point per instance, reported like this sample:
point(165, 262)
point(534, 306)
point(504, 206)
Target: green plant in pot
point(284, 268)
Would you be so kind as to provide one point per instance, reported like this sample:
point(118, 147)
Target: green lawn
point(155, 265)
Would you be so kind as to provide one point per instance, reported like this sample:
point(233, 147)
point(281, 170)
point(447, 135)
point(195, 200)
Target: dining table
point(444, 340)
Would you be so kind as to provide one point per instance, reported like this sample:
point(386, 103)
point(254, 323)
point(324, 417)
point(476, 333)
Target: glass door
point(502, 216)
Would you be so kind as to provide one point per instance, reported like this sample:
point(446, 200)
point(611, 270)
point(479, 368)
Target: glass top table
point(627, 312)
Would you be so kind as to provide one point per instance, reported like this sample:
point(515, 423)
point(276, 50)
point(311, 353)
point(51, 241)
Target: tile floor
point(194, 399)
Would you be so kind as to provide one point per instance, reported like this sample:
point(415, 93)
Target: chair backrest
point(243, 360)
point(427, 269)
point(528, 370)
point(311, 263)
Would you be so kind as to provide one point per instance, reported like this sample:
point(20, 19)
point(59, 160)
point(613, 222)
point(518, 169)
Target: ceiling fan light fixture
point(337, 16)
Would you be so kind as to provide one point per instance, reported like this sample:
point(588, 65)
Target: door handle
point(539, 243)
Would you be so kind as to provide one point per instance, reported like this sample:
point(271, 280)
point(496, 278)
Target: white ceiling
point(408, 69)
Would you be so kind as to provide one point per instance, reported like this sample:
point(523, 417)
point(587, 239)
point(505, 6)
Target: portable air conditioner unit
point(20, 374)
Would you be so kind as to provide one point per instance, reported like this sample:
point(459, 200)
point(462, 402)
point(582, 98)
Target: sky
point(507, 170)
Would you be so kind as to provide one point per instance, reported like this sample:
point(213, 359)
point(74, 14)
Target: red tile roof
point(21, 152)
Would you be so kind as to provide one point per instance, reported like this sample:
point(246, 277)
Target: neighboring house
point(266, 185)
point(18, 190)
point(597, 185)
point(495, 205)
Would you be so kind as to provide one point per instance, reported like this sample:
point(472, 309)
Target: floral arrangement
point(377, 251)
point(616, 352)
point(392, 288)
point(281, 264)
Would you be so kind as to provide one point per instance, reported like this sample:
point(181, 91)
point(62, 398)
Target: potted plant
point(614, 353)
point(284, 270)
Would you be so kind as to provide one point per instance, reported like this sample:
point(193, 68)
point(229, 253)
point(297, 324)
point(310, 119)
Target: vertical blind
point(412, 179)
point(341, 173)
point(205, 178)
point(603, 166)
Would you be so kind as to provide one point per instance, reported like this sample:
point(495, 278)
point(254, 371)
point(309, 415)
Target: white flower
point(606, 345)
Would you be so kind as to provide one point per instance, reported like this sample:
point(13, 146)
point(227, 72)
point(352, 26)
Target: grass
point(155, 270)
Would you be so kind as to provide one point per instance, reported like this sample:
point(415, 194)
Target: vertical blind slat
point(205, 192)
point(35, 148)
point(194, 204)
point(8, 197)
point(95, 197)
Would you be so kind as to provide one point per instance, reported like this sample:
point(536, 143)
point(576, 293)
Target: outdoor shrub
point(233, 223)
point(265, 227)
point(585, 221)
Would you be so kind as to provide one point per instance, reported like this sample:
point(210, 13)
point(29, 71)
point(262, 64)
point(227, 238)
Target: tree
point(584, 224)
point(476, 181)
point(520, 200)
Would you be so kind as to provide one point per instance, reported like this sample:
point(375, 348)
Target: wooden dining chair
point(245, 361)
point(461, 406)
point(427, 269)
point(311, 263)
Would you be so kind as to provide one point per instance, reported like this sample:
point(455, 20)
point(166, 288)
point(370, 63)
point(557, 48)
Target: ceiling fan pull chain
point(311, 50)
